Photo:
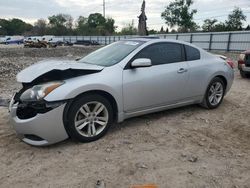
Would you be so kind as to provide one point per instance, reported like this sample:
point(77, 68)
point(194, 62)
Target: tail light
point(230, 63)
point(241, 62)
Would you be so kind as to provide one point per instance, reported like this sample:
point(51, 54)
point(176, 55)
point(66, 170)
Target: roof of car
point(246, 52)
point(157, 39)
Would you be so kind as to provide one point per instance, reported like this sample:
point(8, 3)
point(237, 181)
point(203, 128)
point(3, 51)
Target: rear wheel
point(214, 94)
point(89, 118)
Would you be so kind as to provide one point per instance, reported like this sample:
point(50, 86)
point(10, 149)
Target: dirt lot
point(185, 147)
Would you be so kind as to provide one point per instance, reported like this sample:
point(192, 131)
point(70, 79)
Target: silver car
point(81, 99)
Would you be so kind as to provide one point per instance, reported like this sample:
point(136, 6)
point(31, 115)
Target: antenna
point(104, 8)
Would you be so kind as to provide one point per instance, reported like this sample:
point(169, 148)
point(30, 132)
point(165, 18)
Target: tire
point(81, 120)
point(243, 74)
point(211, 99)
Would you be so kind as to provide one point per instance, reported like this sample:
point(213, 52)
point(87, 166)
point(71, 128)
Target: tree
point(152, 32)
point(110, 26)
point(3, 26)
point(235, 19)
point(82, 27)
point(220, 27)
point(60, 24)
point(178, 13)
point(129, 29)
point(95, 20)
point(40, 27)
point(162, 30)
point(14, 27)
point(247, 28)
point(209, 25)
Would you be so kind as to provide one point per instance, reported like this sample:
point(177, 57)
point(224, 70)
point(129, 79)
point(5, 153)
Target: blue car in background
point(13, 40)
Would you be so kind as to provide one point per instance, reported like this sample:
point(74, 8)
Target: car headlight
point(38, 92)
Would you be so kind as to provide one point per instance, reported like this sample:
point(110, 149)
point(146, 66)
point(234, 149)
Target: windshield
point(111, 54)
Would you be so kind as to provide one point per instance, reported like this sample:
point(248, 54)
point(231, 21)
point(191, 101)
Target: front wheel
point(89, 118)
point(214, 94)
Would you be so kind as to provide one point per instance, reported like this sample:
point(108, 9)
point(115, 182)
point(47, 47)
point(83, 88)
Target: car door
point(161, 84)
point(198, 75)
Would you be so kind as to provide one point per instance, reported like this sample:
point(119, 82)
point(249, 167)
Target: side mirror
point(142, 62)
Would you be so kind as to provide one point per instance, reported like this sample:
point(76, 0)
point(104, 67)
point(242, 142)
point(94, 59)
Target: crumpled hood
point(34, 71)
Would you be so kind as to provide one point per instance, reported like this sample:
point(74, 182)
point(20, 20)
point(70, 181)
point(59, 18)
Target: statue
point(142, 26)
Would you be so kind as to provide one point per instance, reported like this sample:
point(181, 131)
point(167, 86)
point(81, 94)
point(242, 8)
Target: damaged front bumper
point(36, 125)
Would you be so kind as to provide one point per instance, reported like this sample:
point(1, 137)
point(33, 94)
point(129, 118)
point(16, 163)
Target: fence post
point(210, 42)
point(191, 38)
point(177, 36)
point(105, 40)
point(229, 41)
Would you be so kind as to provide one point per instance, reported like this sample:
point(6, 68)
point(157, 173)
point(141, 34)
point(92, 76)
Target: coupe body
point(81, 99)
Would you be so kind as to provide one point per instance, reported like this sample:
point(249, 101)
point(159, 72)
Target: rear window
point(192, 54)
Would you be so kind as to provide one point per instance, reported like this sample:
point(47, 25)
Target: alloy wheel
point(91, 119)
point(215, 94)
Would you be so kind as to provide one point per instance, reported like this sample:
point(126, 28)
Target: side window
point(162, 53)
point(192, 53)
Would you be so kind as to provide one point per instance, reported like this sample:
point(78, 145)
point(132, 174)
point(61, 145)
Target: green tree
point(60, 24)
point(209, 25)
point(129, 29)
point(247, 28)
point(178, 13)
point(3, 26)
point(14, 27)
point(95, 20)
point(162, 30)
point(220, 27)
point(235, 19)
point(82, 27)
point(109, 26)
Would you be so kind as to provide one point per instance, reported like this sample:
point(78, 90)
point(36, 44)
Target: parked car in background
point(2, 40)
point(13, 40)
point(32, 39)
point(244, 64)
point(81, 99)
point(86, 42)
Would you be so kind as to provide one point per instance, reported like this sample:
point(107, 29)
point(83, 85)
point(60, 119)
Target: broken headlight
point(38, 92)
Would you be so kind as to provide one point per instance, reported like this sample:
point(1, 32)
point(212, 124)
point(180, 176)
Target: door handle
point(182, 70)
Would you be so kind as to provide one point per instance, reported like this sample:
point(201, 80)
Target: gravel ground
point(184, 147)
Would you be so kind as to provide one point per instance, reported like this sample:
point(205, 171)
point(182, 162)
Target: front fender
point(104, 81)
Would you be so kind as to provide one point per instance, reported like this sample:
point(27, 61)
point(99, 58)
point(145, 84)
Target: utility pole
point(104, 8)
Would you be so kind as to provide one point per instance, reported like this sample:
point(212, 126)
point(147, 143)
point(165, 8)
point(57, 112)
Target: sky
point(123, 11)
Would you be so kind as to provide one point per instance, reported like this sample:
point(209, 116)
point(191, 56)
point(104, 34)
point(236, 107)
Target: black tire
point(243, 74)
point(206, 103)
point(73, 110)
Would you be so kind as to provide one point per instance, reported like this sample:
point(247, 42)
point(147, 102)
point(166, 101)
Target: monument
point(142, 26)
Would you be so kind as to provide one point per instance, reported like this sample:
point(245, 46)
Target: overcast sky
point(123, 11)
